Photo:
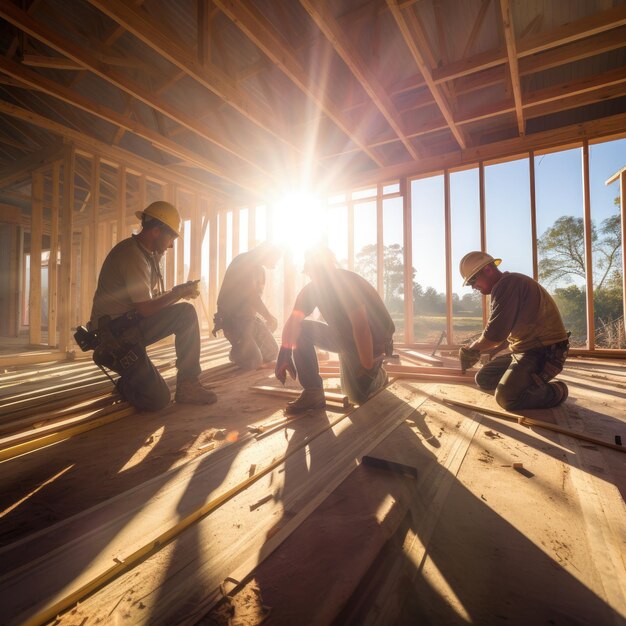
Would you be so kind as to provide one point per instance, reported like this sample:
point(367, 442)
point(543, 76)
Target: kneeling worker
point(130, 290)
point(357, 326)
point(239, 305)
point(524, 314)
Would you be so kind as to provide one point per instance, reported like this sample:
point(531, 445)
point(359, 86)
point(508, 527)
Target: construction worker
point(239, 305)
point(130, 287)
point(357, 326)
point(523, 314)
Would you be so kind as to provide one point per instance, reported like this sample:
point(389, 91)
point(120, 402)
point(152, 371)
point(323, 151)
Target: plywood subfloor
point(471, 540)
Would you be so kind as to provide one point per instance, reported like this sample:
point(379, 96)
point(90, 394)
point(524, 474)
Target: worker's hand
point(284, 364)
point(468, 357)
point(187, 291)
point(272, 323)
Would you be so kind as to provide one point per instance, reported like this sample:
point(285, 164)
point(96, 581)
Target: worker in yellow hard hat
point(132, 310)
point(524, 315)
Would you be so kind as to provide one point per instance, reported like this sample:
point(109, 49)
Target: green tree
point(562, 250)
point(393, 272)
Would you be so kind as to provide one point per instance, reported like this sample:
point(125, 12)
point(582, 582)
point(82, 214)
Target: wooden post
point(170, 258)
point(533, 213)
point(85, 271)
point(213, 286)
point(65, 271)
point(380, 243)
point(36, 232)
point(54, 251)
point(93, 267)
point(591, 330)
point(350, 208)
point(251, 227)
point(448, 253)
point(407, 234)
point(121, 203)
point(622, 203)
point(483, 225)
point(221, 249)
point(235, 233)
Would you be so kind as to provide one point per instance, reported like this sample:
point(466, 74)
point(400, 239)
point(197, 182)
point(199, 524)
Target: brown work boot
point(560, 392)
point(309, 400)
point(192, 392)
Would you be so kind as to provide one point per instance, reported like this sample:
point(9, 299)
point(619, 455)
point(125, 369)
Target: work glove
point(468, 357)
point(284, 364)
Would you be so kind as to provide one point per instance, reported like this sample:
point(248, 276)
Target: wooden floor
point(189, 515)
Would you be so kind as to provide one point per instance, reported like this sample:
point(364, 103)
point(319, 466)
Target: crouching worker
point(241, 313)
point(131, 311)
point(357, 326)
point(524, 314)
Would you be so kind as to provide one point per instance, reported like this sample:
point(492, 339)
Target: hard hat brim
point(139, 215)
point(496, 262)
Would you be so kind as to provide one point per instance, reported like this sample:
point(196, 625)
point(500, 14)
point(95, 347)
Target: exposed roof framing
point(247, 96)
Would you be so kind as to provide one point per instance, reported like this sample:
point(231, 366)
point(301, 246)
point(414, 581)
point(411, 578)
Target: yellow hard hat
point(163, 211)
point(473, 262)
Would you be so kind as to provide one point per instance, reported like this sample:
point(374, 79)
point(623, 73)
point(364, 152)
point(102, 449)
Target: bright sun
point(299, 222)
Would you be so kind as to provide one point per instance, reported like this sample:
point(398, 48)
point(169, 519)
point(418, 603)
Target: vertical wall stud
point(54, 252)
point(407, 234)
point(448, 253)
point(533, 213)
point(591, 330)
point(36, 232)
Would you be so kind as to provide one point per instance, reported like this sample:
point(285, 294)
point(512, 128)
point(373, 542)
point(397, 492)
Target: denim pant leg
point(142, 385)
point(518, 386)
point(312, 334)
point(244, 352)
point(265, 340)
point(358, 388)
point(489, 375)
point(180, 319)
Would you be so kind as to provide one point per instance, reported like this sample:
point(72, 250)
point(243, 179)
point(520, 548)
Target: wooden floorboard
point(472, 540)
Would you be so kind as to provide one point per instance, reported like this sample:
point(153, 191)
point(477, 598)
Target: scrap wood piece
point(294, 393)
point(404, 372)
point(530, 421)
point(420, 356)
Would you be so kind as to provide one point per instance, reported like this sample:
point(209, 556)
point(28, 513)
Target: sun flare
point(299, 222)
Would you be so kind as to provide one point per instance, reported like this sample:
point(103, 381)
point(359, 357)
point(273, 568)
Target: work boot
point(192, 392)
point(308, 400)
point(560, 392)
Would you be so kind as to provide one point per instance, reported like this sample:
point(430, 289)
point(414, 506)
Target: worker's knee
point(508, 399)
point(187, 312)
point(145, 398)
point(485, 380)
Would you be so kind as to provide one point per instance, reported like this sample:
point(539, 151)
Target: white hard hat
point(473, 262)
point(163, 211)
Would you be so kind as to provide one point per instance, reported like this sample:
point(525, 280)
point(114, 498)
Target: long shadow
point(320, 566)
point(98, 477)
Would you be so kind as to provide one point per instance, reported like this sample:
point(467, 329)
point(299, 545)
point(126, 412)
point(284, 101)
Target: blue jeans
point(141, 384)
point(516, 379)
point(358, 388)
point(251, 341)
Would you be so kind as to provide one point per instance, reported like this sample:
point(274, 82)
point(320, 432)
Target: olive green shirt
point(523, 313)
point(129, 275)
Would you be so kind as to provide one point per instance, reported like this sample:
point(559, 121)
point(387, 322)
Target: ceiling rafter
point(22, 20)
point(355, 63)
point(40, 83)
point(211, 77)
point(259, 30)
point(413, 36)
point(509, 36)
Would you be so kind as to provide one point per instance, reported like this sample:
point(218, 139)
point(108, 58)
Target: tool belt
point(117, 344)
point(555, 360)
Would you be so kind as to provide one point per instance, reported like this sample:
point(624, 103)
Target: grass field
point(428, 328)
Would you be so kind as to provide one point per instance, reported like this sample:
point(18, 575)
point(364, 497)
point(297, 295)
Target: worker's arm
point(263, 311)
point(362, 337)
point(485, 345)
point(154, 305)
